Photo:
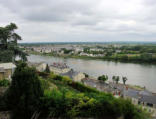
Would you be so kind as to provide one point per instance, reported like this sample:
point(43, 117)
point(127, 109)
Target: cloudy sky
point(81, 20)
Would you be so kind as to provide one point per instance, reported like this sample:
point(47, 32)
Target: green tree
point(23, 96)
point(113, 78)
point(103, 78)
point(116, 79)
point(4, 83)
point(47, 70)
point(86, 75)
point(8, 44)
point(124, 79)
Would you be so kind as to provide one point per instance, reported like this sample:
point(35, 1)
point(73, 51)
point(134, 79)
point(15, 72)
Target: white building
point(76, 76)
point(6, 70)
point(59, 68)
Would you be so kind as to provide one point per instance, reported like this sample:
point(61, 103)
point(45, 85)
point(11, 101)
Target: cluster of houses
point(59, 50)
point(60, 69)
point(143, 98)
point(56, 48)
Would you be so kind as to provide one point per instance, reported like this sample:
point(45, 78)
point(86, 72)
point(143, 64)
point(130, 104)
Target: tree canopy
point(9, 48)
point(103, 78)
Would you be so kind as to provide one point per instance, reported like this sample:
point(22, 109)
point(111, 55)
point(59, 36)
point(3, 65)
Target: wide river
point(137, 74)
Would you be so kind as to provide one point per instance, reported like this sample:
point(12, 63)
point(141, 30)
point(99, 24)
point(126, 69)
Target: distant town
point(141, 53)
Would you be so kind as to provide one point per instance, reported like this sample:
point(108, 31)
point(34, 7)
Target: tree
point(116, 79)
point(103, 78)
point(23, 96)
point(86, 75)
point(47, 70)
point(124, 79)
point(8, 44)
point(113, 78)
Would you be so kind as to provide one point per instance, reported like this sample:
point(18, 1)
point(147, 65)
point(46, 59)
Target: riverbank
point(114, 59)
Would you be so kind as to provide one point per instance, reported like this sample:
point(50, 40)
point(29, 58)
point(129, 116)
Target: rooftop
point(34, 64)
point(7, 65)
point(59, 65)
point(143, 96)
point(71, 73)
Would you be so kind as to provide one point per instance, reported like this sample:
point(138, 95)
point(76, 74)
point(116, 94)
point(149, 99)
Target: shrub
point(66, 80)
point(23, 95)
point(82, 88)
point(47, 70)
point(103, 78)
point(43, 74)
point(45, 84)
point(4, 82)
point(52, 75)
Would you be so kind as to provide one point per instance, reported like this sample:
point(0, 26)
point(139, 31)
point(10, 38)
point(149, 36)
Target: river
point(137, 74)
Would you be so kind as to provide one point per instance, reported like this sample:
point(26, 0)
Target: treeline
point(43, 95)
point(140, 58)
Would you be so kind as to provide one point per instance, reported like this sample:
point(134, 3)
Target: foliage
point(103, 78)
point(8, 44)
point(66, 51)
point(28, 94)
point(116, 79)
point(124, 79)
point(6, 55)
point(4, 83)
point(66, 102)
point(23, 95)
point(86, 75)
point(43, 74)
point(47, 70)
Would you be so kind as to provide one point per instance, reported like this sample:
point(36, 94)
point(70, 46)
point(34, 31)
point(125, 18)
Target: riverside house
point(6, 70)
point(59, 68)
point(39, 66)
point(74, 75)
point(143, 98)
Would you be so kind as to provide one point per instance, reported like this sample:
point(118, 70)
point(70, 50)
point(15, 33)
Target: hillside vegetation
point(46, 95)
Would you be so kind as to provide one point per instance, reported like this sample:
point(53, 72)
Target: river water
point(137, 74)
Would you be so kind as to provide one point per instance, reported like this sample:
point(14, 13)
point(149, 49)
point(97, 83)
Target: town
point(140, 53)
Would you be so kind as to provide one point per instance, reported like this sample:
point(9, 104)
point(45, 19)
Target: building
point(6, 70)
point(39, 66)
point(143, 98)
point(76, 76)
point(59, 68)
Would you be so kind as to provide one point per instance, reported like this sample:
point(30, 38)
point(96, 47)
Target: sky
point(81, 20)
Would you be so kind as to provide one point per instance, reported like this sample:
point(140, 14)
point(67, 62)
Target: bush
point(103, 78)
point(82, 101)
point(66, 80)
point(24, 93)
point(44, 84)
point(43, 74)
point(4, 83)
point(82, 88)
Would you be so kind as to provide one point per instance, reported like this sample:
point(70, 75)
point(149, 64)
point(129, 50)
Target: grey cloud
point(61, 20)
point(49, 10)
